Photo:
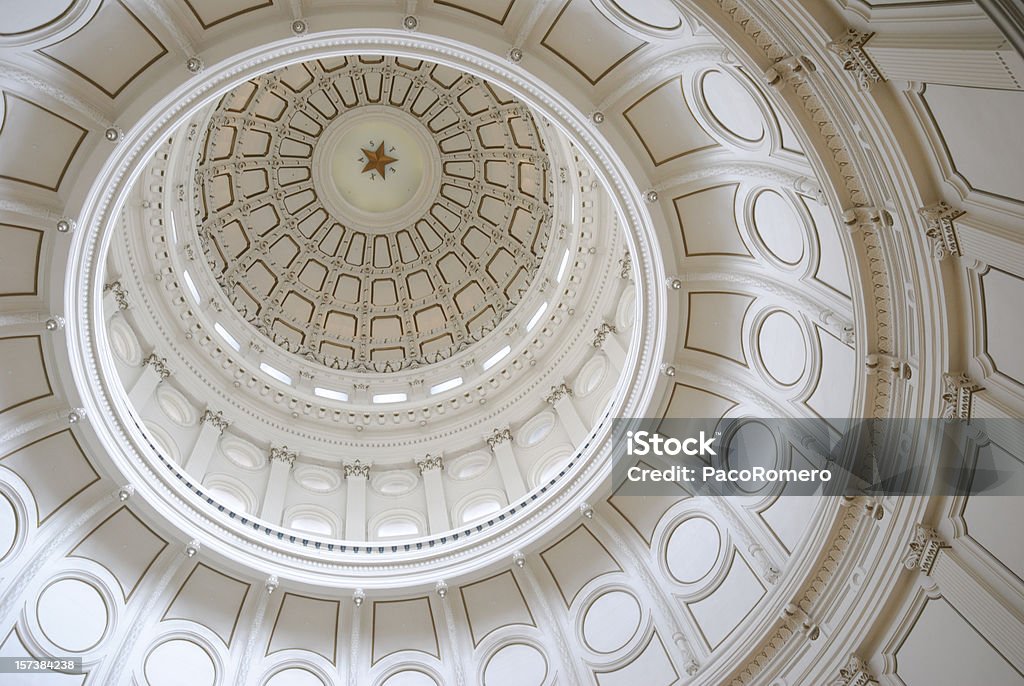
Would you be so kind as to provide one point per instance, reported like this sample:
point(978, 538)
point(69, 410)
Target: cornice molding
point(1008, 15)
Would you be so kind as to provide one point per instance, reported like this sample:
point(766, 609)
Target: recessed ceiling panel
point(111, 50)
point(588, 41)
point(36, 145)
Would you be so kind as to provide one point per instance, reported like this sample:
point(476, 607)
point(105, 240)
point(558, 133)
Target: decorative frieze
point(120, 294)
point(430, 463)
point(829, 117)
point(356, 468)
point(216, 419)
point(855, 673)
point(602, 332)
point(159, 364)
point(924, 549)
point(850, 49)
point(282, 454)
point(557, 393)
point(940, 229)
point(957, 391)
point(498, 437)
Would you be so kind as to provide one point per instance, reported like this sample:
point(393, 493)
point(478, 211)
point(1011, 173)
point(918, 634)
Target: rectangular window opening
point(497, 357)
point(330, 394)
point(228, 338)
point(275, 373)
point(536, 317)
point(385, 398)
point(446, 385)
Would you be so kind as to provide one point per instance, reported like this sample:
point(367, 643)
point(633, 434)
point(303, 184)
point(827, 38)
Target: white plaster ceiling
point(652, 590)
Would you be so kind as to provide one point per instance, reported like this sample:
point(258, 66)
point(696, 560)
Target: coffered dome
point(372, 213)
point(456, 261)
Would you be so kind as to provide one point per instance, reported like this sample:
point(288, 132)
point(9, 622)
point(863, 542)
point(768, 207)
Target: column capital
point(282, 454)
point(602, 332)
point(430, 463)
point(120, 294)
point(159, 364)
point(216, 419)
point(940, 230)
point(499, 436)
point(855, 673)
point(924, 549)
point(625, 266)
point(957, 390)
point(850, 48)
point(356, 468)
point(557, 393)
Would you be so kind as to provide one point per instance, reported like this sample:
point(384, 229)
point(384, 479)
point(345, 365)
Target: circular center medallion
point(377, 169)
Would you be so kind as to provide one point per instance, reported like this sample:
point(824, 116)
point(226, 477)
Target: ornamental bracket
point(924, 549)
point(850, 49)
point(940, 229)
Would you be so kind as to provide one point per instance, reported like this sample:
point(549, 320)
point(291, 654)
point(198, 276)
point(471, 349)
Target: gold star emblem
point(378, 160)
